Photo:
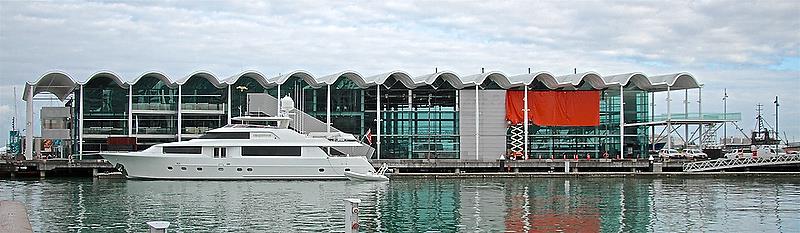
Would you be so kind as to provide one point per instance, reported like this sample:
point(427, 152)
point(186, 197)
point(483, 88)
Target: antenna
point(759, 119)
point(14, 118)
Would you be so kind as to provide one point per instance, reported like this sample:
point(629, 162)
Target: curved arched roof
point(155, 74)
point(429, 79)
point(349, 74)
point(398, 75)
point(302, 74)
point(58, 83)
point(255, 75)
point(202, 74)
point(108, 74)
point(61, 84)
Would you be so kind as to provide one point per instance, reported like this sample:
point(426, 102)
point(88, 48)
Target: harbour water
point(683, 204)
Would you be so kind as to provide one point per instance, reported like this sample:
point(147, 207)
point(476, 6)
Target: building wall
point(492, 108)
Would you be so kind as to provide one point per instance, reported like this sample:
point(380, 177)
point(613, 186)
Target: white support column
point(278, 104)
point(621, 121)
point(525, 123)
point(378, 120)
point(80, 126)
point(700, 113)
point(229, 104)
point(477, 125)
point(180, 111)
point(686, 112)
point(328, 109)
point(669, 121)
point(29, 123)
point(652, 139)
point(130, 110)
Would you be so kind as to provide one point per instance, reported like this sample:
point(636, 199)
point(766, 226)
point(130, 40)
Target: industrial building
point(433, 116)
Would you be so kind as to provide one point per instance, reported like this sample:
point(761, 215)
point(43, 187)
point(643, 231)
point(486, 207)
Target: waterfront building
point(441, 115)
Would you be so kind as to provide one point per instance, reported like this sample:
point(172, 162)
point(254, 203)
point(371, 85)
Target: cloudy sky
point(752, 48)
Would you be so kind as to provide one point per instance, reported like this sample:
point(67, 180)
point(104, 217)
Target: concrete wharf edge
point(592, 174)
point(14, 217)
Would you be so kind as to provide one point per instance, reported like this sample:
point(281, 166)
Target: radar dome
point(287, 103)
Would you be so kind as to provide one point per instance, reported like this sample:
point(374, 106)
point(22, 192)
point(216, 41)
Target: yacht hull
point(137, 165)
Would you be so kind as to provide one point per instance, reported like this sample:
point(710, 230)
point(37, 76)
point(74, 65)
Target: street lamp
point(725, 117)
point(241, 89)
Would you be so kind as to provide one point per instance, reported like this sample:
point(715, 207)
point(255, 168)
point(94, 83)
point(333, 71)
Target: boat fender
point(354, 226)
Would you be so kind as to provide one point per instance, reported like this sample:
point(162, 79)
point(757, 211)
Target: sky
point(749, 48)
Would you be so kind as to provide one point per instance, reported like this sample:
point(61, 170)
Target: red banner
point(555, 108)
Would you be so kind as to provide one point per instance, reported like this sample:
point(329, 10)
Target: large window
point(270, 151)
point(547, 142)
point(226, 135)
point(182, 150)
point(418, 123)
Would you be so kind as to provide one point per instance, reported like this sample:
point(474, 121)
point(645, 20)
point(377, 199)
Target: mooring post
point(158, 226)
point(94, 172)
point(351, 224)
point(566, 166)
point(41, 174)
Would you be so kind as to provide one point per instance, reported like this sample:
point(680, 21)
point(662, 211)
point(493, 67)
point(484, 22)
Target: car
point(694, 154)
point(669, 153)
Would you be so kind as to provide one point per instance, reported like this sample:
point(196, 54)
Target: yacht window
point(270, 151)
point(182, 150)
point(226, 135)
point(220, 152)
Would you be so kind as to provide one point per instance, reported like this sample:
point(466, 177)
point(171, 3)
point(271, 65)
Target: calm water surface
point(752, 204)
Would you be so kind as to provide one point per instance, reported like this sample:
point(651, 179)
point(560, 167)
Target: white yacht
point(247, 151)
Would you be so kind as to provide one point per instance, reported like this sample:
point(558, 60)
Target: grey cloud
point(179, 37)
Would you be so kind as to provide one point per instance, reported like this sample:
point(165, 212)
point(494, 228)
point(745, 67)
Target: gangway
point(720, 164)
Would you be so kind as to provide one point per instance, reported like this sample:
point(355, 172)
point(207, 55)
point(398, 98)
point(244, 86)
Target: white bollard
point(351, 224)
point(158, 226)
point(566, 166)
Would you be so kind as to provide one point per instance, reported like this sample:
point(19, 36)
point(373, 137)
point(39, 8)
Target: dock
point(531, 165)
point(14, 217)
point(59, 167)
point(539, 167)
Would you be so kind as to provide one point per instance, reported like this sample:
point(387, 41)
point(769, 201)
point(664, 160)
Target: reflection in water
point(439, 205)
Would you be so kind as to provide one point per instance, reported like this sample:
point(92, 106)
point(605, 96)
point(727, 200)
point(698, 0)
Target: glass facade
point(239, 91)
point(558, 142)
point(155, 106)
point(418, 123)
point(202, 106)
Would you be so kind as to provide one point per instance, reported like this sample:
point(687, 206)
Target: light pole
point(777, 133)
point(725, 117)
point(241, 89)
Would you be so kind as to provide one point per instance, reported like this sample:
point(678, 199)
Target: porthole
point(169, 168)
point(220, 169)
point(322, 170)
point(249, 169)
point(238, 169)
point(199, 169)
point(183, 168)
point(347, 169)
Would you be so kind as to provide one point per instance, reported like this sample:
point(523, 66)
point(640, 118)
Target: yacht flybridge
point(247, 151)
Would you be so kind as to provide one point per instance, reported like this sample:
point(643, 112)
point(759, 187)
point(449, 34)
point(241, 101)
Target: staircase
point(265, 104)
